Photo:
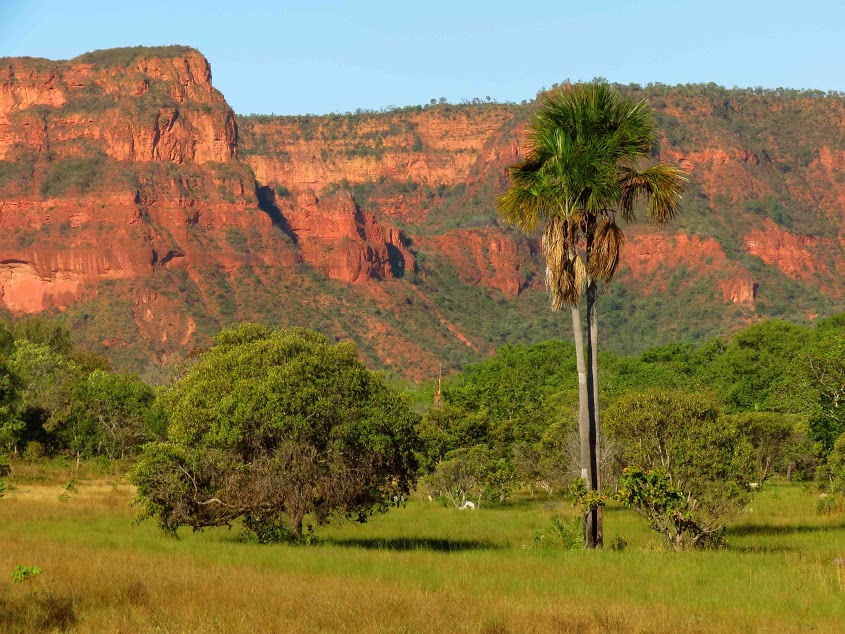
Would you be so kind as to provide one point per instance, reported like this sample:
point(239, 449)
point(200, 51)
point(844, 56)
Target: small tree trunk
point(296, 524)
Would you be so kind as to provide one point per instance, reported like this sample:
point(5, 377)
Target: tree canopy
point(688, 470)
point(271, 425)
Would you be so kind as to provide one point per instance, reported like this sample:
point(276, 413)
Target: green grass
point(416, 569)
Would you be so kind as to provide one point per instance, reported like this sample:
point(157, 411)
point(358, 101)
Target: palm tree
point(583, 167)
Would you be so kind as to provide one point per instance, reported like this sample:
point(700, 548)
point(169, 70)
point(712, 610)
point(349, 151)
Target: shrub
point(474, 473)
point(269, 425)
point(74, 174)
point(665, 507)
point(34, 451)
point(563, 535)
point(688, 470)
point(22, 573)
point(774, 436)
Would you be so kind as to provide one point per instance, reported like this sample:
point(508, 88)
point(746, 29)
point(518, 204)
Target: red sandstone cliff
point(133, 199)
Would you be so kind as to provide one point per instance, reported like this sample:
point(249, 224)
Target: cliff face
point(430, 148)
point(342, 242)
point(136, 204)
point(114, 168)
point(150, 109)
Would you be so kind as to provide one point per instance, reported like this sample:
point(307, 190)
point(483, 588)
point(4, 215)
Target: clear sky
point(329, 56)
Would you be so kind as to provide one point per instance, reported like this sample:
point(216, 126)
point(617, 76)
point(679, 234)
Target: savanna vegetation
point(422, 568)
point(278, 435)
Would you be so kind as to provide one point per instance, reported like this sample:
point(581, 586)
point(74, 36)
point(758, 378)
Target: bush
point(775, 438)
point(562, 535)
point(688, 470)
point(271, 425)
point(34, 451)
point(666, 508)
point(474, 473)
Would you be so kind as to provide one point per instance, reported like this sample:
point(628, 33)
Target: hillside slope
point(135, 204)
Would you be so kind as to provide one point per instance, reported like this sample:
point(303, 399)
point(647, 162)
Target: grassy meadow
point(422, 568)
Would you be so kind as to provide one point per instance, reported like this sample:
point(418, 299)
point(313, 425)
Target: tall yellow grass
point(421, 569)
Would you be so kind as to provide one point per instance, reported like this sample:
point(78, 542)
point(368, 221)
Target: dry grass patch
point(420, 569)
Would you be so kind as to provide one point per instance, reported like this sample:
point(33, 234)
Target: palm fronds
point(660, 186)
point(606, 250)
point(580, 165)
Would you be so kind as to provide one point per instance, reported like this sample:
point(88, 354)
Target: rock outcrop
point(146, 109)
point(338, 239)
point(490, 257)
point(136, 203)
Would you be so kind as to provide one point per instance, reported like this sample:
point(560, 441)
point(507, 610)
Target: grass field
point(424, 568)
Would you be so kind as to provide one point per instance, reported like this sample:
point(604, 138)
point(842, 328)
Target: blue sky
point(324, 56)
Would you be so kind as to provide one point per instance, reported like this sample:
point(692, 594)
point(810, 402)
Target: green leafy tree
point(800, 456)
point(834, 500)
point(472, 474)
point(668, 367)
point(583, 166)
point(816, 384)
point(836, 465)
point(110, 414)
point(745, 373)
point(447, 428)
point(513, 389)
point(688, 469)
point(44, 332)
point(271, 425)
point(12, 426)
point(772, 435)
point(47, 380)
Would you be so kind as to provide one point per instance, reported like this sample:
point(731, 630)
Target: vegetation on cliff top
point(126, 55)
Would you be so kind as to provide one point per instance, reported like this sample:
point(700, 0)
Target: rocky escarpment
point(114, 167)
point(136, 205)
point(344, 243)
point(132, 108)
point(438, 147)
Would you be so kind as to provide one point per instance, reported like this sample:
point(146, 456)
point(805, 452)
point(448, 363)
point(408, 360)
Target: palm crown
point(585, 147)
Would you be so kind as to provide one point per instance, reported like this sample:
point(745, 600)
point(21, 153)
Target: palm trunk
point(595, 421)
point(595, 538)
point(583, 416)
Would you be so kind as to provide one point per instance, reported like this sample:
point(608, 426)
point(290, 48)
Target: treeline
point(57, 399)
point(287, 423)
point(773, 395)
